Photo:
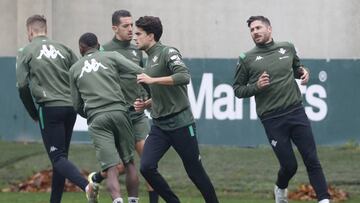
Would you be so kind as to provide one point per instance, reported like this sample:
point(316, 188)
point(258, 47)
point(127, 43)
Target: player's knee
point(56, 158)
point(147, 168)
point(58, 162)
point(290, 168)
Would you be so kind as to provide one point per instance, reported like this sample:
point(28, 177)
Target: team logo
point(92, 66)
point(273, 143)
point(282, 51)
point(50, 52)
point(258, 58)
point(155, 58)
point(134, 53)
point(53, 149)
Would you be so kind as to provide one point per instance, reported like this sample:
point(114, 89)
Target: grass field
point(241, 175)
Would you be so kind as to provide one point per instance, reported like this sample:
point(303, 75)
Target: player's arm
point(300, 71)
point(125, 65)
point(144, 78)
point(22, 83)
point(180, 73)
point(78, 102)
point(241, 87)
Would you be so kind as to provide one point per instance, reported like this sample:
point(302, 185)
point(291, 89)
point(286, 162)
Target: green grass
point(238, 174)
point(76, 197)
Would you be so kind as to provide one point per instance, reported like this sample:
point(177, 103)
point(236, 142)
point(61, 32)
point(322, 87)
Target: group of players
point(111, 87)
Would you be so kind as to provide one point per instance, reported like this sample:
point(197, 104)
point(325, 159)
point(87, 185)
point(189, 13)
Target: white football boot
point(281, 195)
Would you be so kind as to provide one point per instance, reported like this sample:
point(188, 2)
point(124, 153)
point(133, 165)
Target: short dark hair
point(150, 24)
point(89, 39)
point(260, 18)
point(117, 15)
point(37, 21)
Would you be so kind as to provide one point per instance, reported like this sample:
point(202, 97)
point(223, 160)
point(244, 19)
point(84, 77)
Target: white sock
point(325, 201)
point(118, 200)
point(133, 199)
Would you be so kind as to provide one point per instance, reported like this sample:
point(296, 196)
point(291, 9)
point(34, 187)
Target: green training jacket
point(170, 103)
point(42, 73)
point(132, 90)
point(280, 61)
point(94, 82)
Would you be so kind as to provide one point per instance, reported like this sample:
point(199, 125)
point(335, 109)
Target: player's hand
point(304, 76)
point(139, 105)
point(143, 78)
point(263, 81)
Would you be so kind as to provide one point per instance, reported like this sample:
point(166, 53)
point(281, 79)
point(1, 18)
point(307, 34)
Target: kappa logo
point(155, 58)
point(92, 66)
point(50, 52)
point(282, 51)
point(258, 58)
point(273, 143)
point(53, 149)
point(134, 53)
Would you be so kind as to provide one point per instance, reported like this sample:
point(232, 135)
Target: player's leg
point(185, 143)
point(141, 129)
point(69, 126)
point(57, 179)
point(278, 134)
point(153, 196)
point(101, 130)
point(124, 141)
point(112, 182)
point(52, 127)
point(303, 138)
point(156, 145)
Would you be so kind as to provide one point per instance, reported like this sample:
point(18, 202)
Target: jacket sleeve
point(125, 65)
point(22, 83)
point(296, 65)
point(75, 95)
point(241, 87)
point(174, 62)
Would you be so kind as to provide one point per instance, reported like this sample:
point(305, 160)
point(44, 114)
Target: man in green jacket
point(173, 121)
point(122, 25)
point(268, 72)
point(97, 95)
point(42, 72)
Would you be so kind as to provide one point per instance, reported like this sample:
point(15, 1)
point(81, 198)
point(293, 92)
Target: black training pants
point(184, 141)
point(56, 125)
point(295, 127)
